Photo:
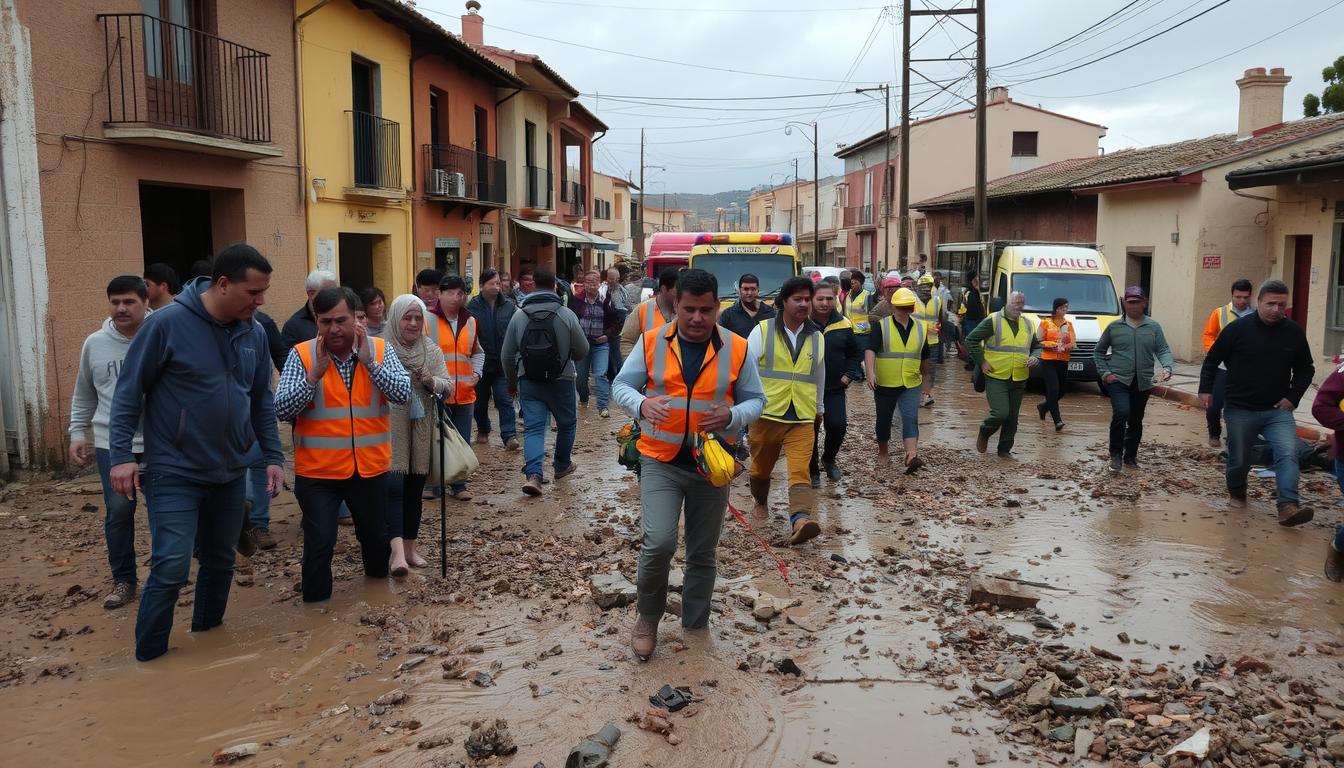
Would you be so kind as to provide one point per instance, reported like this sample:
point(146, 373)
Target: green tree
point(1331, 99)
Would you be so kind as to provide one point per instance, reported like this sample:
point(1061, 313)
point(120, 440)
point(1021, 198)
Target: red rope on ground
point(779, 561)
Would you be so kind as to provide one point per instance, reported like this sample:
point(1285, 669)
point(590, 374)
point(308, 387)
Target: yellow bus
point(770, 256)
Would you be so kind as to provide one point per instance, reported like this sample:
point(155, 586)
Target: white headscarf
point(413, 354)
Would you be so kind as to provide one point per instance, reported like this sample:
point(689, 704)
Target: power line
point(1092, 50)
point(1215, 60)
point(1128, 47)
point(807, 108)
point(706, 98)
point(1122, 9)
point(706, 9)
point(724, 124)
point(858, 59)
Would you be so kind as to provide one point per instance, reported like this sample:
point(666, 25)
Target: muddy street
point(1160, 613)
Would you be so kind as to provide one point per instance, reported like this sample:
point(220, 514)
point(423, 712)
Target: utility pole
point(816, 198)
point(981, 204)
point(981, 129)
point(885, 88)
point(639, 236)
point(904, 221)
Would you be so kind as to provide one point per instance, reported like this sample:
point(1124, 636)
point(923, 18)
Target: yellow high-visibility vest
point(1007, 352)
point(929, 312)
point(897, 364)
point(786, 379)
point(856, 309)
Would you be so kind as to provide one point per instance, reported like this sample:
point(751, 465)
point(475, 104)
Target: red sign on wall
point(1213, 262)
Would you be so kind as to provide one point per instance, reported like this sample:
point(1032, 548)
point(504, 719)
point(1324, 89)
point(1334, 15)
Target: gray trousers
point(664, 490)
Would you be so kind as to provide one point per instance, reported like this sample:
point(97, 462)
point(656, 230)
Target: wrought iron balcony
point(165, 75)
point(859, 216)
point(458, 173)
point(540, 190)
point(575, 197)
point(376, 149)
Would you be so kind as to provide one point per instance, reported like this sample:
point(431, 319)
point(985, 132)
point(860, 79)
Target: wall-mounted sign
point(1213, 261)
point(447, 242)
point(325, 254)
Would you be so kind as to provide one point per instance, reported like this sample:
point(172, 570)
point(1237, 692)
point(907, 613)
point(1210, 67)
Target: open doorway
point(175, 226)
point(1299, 281)
point(1139, 271)
point(363, 260)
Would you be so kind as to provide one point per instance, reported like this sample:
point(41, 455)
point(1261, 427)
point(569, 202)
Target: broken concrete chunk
point(612, 590)
point(996, 690)
point(1080, 705)
point(233, 754)
point(1000, 592)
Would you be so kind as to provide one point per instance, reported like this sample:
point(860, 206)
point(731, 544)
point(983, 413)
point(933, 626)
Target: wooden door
point(1301, 286)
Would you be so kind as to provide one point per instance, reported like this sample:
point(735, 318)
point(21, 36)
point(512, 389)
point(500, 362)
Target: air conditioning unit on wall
point(457, 185)
point(438, 182)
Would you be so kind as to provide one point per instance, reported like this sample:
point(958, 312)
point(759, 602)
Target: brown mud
point(888, 653)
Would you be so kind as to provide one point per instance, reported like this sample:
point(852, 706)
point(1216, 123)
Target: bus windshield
point(1087, 294)
point(771, 268)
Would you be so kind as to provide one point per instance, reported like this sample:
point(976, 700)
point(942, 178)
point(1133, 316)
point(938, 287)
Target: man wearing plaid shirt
point(342, 437)
point(600, 323)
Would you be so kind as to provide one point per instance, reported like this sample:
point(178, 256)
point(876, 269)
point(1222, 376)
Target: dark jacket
point(611, 319)
point(1326, 408)
point(569, 339)
point(491, 325)
point(736, 319)
point(204, 390)
point(1265, 363)
point(300, 327)
point(275, 345)
point(844, 354)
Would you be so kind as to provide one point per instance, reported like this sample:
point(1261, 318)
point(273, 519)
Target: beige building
point(942, 152)
point(1305, 233)
point(658, 219)
point(611, 217)
point(794, 208)
point(1168, 221)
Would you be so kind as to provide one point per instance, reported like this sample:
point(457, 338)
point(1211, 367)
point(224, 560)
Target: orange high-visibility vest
point(650, 316)
point(718, 375)
point(1051, 334)
point(343, 432)
point(457, 351)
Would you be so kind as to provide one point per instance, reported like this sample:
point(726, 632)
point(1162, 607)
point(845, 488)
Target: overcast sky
point(703, 126)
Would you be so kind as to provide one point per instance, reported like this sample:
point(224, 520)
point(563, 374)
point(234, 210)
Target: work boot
point(247, 542)
point(1291, 514)
point(1116, 465)
point(1334, 564)
point(804, 529)
point(533, 485)
point(482, 438)
point(982, 440)
point(814, 479)
point(644, 638)
point(1236, 499)
point(833, 471)
point(264, 538)
point(567, 471)
point(1004, 453)
point(123, 591)
point(512, 444)
point(760, 492)
point(1040, 410)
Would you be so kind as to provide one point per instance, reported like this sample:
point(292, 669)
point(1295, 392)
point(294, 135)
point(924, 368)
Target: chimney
point(996, 94)
point(1261, 100)
point(473, 25)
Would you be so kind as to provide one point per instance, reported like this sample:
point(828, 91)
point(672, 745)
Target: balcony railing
point(165, 74)
point(539, 188)
point(376, 149)
point(575, 197)
point(458, 173)
point(859, 216)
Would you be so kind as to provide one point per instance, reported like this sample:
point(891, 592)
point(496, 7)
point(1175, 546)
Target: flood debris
point(594, 751)
point(612, 590)
point(991, 590)
point(671, 699)
point(231, 755)
point(490, 740)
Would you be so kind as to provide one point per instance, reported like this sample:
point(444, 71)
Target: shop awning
point(573, 237)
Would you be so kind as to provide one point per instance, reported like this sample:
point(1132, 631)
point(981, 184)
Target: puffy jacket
point(844, 355)
point(492, 324)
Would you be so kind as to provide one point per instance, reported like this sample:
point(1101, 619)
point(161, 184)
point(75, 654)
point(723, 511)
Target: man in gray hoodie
point(540, 346)
point(99, 363)
point(199, 373)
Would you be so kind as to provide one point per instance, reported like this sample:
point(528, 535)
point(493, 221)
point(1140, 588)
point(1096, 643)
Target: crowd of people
point(175, 401)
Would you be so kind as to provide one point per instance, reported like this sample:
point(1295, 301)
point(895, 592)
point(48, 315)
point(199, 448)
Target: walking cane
point(443, 491)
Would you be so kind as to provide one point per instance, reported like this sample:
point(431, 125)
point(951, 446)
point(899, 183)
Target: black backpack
point(539, 350)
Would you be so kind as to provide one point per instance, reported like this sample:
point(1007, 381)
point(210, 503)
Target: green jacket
point(1132, 351)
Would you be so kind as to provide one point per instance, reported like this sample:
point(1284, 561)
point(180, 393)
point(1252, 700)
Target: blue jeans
point(460, 416)
point(118, 523)
point(1339, 478)
point(539, 399)
point(1280, 431)
point(889, 400)
point(257, 492)
point(495, 385)
point(595, 363)
point(185, 513)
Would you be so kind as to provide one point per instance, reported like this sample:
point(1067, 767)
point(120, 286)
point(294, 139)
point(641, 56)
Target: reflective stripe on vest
point(1007, 355)
point(457, 355)
point(856, 309)
point(650, 316)
point(897, 365)
point(343, 431)
point(1226, 314)
point(663, 441)
point(786, 379)
point(928, 312)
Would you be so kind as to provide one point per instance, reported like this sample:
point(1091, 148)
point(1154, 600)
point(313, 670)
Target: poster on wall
point(1213, 261)
point(325, 251)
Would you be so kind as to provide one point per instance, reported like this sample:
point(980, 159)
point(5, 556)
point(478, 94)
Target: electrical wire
point(1053, 46)
point(1093, 50)
point(706, 9)
point(1214, 60)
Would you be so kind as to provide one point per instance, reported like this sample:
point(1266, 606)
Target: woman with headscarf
point(412, 425)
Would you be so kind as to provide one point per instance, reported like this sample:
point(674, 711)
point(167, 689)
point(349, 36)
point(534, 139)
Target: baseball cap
point(1135, 292)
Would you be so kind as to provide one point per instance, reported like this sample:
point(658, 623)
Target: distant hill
point(705, 205)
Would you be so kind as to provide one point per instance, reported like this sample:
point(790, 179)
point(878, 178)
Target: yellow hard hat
point(925, 280)
point(904, 298)
point(713, 460)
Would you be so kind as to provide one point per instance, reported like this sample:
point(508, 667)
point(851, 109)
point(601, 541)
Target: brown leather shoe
point(1236, 499)
point(533, 485)
point(982, 440)
point(567, 471)
point(805, 529)
point(644, 638)
point(760, 493)
point(1291, 514)
point(1334, 565)
point(124, 591)
point(264, 538)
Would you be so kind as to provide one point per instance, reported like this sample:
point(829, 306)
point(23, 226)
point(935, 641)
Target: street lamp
point(816, 186)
